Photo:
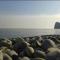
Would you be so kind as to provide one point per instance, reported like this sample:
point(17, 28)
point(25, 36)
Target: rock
point(47, 44)
point(13, 41)
point(38, 44)
point(1, 55)
point(39, 54)
point(34, 49)
point(3, 49)
point(56, 40)
point(25, 58)
point(57, 25)
point(19, 40)
point(6, 57)
point(29, 51)
point(53, 49)
point(27, 39)
point(26, 43)
point(20, 45)
point(37, 59)
point(11, 52)
point(53, 54)
point(22, 53)
point(6, 42)
point(58, 46)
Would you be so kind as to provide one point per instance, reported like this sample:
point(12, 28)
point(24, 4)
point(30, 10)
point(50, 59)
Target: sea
point(17, 32)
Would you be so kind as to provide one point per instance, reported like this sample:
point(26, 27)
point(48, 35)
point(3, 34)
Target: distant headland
point(57, 25)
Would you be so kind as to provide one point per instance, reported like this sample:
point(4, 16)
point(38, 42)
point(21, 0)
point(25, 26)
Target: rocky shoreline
point(45, 47)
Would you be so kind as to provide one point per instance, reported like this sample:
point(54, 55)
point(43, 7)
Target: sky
point(29, 14)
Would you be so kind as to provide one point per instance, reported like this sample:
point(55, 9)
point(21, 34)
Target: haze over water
point(27, 32)
point(36, 17)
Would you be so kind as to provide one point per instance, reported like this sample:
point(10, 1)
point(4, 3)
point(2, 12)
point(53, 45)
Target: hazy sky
point(29, 14)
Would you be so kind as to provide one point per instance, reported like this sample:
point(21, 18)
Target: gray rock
point(53, 54)
point(47, 44)
point(39, 54)
point(29, 51)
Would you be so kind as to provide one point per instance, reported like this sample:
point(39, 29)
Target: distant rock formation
point(57, 25)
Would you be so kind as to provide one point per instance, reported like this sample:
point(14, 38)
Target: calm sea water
point(27, 32)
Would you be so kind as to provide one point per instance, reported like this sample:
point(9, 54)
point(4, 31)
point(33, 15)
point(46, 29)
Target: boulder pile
point(45, 47)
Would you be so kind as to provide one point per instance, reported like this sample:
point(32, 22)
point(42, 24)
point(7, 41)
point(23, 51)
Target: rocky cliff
point(57, 25)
